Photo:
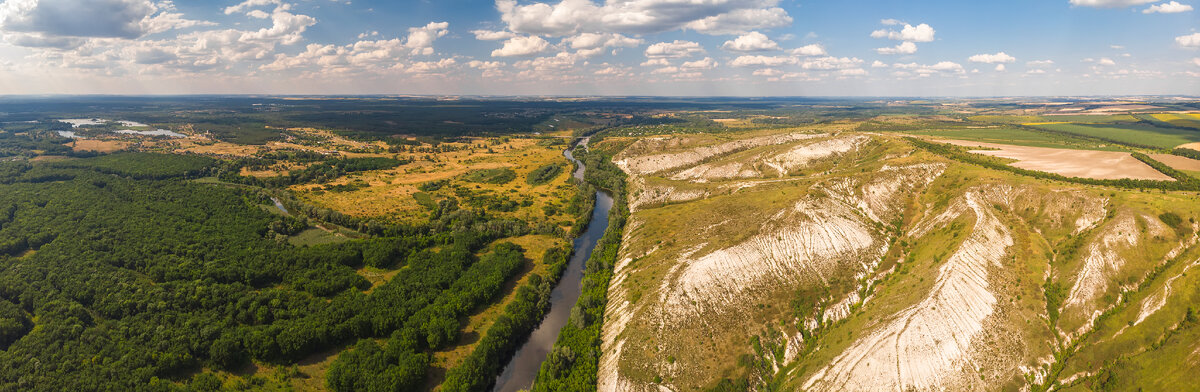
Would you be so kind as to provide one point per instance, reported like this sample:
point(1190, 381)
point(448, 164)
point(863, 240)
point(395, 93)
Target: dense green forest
point(120, 273)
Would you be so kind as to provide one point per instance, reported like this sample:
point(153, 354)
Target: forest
point(119, 272)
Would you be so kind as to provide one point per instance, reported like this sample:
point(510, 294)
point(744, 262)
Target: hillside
point(819, 259)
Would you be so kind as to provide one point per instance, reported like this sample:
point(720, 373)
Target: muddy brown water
point(520, 372)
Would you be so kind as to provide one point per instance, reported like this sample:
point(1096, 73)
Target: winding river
point(523, 368)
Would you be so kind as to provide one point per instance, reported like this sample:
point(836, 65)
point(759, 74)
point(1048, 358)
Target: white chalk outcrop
point(653, 163)
point(836, 232)
point(800, 156)
point(1102, 260)
point(928, 346)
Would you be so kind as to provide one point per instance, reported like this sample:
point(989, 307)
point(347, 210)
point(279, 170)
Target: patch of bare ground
point(98, 145)
point(1102, 165)
point(1190, 146)
point(1177, 162)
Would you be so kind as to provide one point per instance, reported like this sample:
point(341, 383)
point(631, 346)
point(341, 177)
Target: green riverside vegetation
point(573, 363)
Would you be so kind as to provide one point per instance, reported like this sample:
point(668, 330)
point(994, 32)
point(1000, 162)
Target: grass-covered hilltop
point(414, 244)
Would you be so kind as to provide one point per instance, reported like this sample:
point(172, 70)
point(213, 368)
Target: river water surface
point(523, 368)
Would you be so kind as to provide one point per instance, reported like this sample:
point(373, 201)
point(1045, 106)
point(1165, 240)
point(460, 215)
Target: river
point(523, 368)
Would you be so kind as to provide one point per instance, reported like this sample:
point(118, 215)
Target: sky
point(601, 47)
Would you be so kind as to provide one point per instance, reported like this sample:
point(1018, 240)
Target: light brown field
point(1177, 162)
point(1191, 146)
point(204, 146)
point(98, 145)
point(1102, 165)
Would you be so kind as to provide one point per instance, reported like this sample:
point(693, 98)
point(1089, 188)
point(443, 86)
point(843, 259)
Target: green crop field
point(1144, 135)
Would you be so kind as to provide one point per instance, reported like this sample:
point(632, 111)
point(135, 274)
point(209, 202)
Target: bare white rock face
point(800, 156)
point(1102, 259)
point(928, 345)
point(816, 238)
point(647, 164)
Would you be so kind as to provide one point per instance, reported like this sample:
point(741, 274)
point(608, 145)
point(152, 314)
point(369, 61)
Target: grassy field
point(1007, 119)
point(1133, 134)
point(395, 193)
point(316, 236)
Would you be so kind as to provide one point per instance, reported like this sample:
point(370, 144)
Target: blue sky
point(600, 47)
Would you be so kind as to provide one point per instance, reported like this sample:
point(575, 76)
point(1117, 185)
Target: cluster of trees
point(573, 363)
point(12, 145)
point(491, 176)
point(402, 364)
point(1183, 183)
point(1186, 152)
point(144, 165)
point(322, 171)
point(544, 174)
point(478, 371)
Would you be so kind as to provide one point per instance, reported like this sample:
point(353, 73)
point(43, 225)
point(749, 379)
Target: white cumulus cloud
point(706, 63)
point(420, 39)
point(809, 50)
point(568, 17)
point(992, 58)
point(1189, 41)
point(488, 35)
point(1173, 7)
point(763, 61)
point(600, 40)
point(903, 48)
point(918, 33)
point(674, 49)
point(521, 46)
point(1109, 3)
point(751, 42)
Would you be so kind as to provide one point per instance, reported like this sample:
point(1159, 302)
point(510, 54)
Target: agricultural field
point(1102, 165)
point(1132, 134)
point(1017, 137)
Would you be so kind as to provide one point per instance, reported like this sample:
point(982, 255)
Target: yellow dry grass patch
point(390, 192)
point(1167, 117)
point(1047, 123)
point(98, 145)
point(311, 375)
point(49, 158)
point(209, 147)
